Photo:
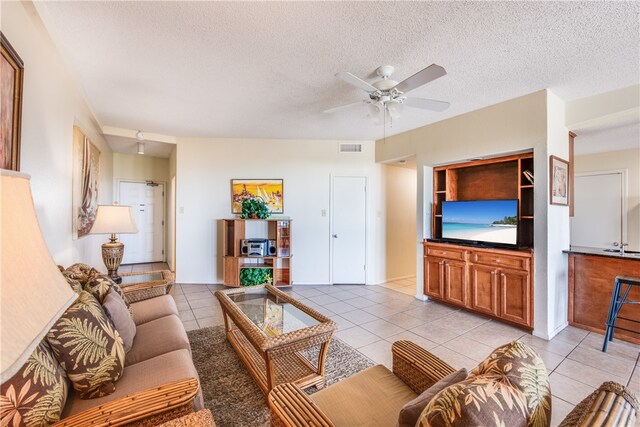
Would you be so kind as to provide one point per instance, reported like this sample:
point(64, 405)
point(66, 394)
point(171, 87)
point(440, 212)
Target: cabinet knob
point(335, 236)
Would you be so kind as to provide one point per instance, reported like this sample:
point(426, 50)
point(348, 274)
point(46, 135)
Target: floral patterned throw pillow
point(81, 272)
point(75, 284)
point(509, 388)
point(99, 287)
point(88, 348)
point(36, 394)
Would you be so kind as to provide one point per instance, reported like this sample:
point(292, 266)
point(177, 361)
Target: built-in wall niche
point(498, 178)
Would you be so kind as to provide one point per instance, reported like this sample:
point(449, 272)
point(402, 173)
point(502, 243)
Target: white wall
point(205, 168)
point(558, 229)
point(628, 160)
point(400, 202)
point(512, 126)
point(171, 212)
point(52, 105)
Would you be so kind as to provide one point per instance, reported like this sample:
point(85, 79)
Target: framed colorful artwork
point(269, 190)
point(559, 181)
point(86, 180)
point(11, 78)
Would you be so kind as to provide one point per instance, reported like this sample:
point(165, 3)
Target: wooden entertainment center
point(490, 281)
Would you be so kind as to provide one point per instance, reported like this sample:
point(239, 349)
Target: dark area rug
point(230, 392)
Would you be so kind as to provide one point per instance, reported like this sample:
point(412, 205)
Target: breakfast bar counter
point(592, 272)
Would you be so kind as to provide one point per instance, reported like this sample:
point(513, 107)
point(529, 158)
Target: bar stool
point(618, 298)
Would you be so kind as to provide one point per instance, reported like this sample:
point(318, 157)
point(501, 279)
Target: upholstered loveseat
point(509, 388)
point(154, 380)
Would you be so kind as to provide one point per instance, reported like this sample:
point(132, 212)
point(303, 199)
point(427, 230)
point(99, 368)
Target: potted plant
point(254, 207)
point(255, 276)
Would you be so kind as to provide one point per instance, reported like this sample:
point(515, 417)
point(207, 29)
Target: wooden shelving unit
point(233, 261)
point(488, 179)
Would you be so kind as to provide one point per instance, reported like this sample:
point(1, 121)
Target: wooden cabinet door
point(455, 282)
point(484, 289)
point(433, 277)
point(515, 296)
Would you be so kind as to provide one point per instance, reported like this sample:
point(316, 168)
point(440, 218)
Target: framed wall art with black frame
point(11, 79)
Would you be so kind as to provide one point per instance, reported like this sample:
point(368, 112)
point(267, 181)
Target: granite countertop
point(582, 250)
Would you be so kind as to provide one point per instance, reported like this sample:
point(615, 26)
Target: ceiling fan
point(387, 96)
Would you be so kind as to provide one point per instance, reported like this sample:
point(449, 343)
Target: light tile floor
point(371, 318)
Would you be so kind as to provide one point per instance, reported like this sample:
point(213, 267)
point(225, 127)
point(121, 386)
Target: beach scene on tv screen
point(494, 221)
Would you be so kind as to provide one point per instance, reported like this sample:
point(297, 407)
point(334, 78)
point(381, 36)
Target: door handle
point(335, 236)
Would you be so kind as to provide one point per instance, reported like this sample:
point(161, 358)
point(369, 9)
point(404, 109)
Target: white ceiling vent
point(350, 148)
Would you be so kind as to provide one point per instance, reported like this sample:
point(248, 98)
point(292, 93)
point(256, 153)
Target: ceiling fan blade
point(420, 78)
point(344, 107)
point(355, 81)
point(426, 104)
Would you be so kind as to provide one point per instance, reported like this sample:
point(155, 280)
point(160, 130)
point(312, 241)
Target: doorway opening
point(148, 206)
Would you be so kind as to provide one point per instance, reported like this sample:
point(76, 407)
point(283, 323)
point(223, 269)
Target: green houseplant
point(255, 276)
point(254, 207)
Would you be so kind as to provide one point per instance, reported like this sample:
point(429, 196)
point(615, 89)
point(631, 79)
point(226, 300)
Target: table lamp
point(34, 294)
point(113, 219)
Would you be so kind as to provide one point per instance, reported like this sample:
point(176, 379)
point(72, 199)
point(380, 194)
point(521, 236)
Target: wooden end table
point(268, 330)
point(148, 284)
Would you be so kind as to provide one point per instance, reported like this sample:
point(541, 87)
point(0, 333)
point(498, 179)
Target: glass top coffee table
point(271, 330)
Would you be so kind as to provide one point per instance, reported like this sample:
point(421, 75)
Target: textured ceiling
point(266, 69)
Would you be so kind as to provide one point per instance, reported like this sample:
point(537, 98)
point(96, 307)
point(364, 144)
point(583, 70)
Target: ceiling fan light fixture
point(395, 109)
point(375, 109)
point(140, 147)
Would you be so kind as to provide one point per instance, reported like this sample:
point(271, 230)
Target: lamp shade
point(34, 293)
point(114, 219)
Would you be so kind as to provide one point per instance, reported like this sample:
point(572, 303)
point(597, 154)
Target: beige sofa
point(158, 363)
point(155, 379)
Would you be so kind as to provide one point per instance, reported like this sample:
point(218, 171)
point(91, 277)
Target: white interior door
point(349, 230)
point(147, 205)
point(598, 209)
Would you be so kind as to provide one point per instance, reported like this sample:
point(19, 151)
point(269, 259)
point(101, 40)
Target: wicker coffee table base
point(286, 368)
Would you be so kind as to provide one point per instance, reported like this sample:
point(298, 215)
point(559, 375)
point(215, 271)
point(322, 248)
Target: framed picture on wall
point(11, 77)
point(269, 190)
point(86, 180)
point(559, 181)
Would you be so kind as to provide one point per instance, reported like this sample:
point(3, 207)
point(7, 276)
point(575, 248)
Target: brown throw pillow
point(116, 310)
point(88, 348)
point(36, 394)
point(411, 411)
point(510, 388)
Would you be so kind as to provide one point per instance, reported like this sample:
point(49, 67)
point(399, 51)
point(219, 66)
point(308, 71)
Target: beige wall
point(400, 203)
point(615, 107)
point(205, 168)
point(628, 160)
point(52, 104)
point(136, 167)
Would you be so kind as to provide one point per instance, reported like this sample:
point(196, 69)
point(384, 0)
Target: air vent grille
point(350, 148)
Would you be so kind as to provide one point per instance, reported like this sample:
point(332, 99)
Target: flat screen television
point(489, 222)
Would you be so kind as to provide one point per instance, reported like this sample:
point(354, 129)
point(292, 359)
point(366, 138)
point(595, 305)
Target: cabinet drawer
point(500, 260)
point(446, 253)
